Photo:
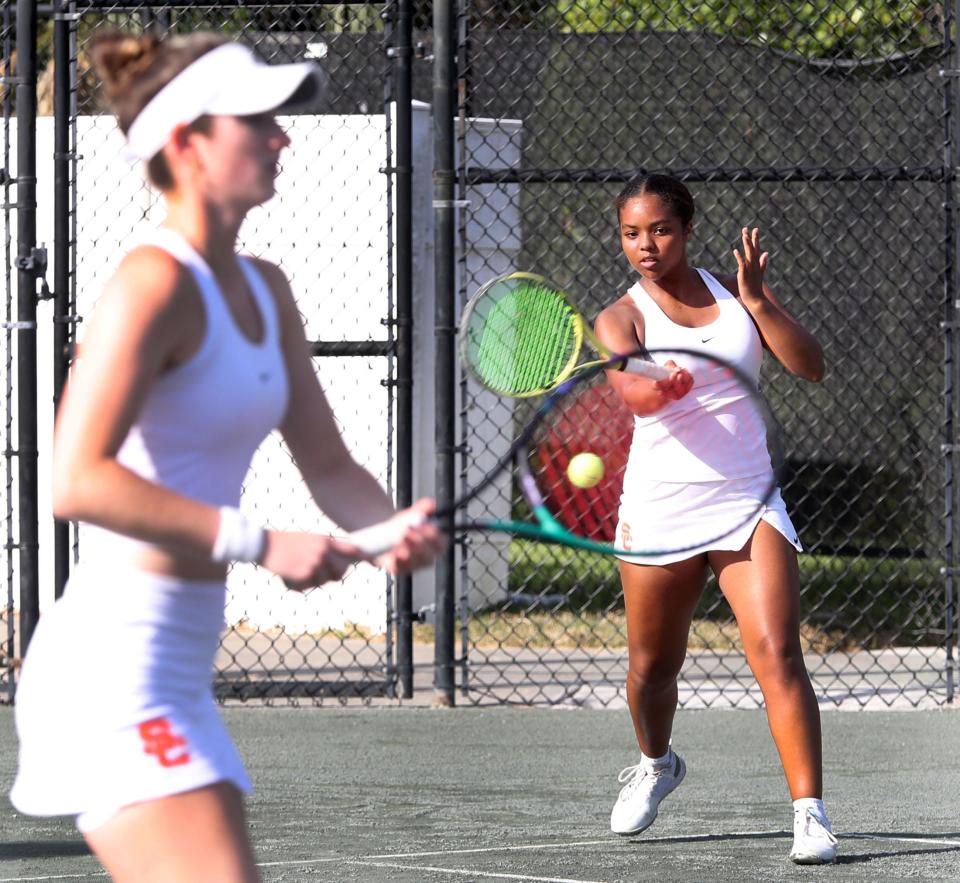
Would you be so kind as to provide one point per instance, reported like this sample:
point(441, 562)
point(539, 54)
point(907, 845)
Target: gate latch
point(36, 263)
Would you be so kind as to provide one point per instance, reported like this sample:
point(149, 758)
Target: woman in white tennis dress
point(671, 485)
point(193, 356)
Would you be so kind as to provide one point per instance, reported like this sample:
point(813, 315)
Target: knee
point(776, 655)
point(652, 673)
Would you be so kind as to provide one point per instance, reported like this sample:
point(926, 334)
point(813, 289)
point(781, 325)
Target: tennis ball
point(585, 470)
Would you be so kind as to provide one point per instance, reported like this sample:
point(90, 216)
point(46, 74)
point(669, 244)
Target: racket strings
point(521, 338)
point(591, 421)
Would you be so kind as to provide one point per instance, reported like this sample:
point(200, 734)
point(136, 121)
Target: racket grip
point(644, 368)
point(383, 536)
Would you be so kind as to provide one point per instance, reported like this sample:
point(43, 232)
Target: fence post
point(444, 70)
point(28, 264)
point(402, 51)
point(951, 370)
point(63, 112)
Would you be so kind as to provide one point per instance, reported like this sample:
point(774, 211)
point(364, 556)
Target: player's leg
point(199, 835)
point(762, 584)
point(659, 604)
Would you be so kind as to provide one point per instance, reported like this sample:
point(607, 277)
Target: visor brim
point(267, 88)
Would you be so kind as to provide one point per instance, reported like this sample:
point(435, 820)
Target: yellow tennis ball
point(585, 470)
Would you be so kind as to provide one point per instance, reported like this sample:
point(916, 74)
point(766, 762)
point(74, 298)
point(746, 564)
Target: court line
point(568, 844)
point(927, 840)
point(88, 876)
point(482, 849)
point(467, 872)
point(377, 860)
point(297, 861)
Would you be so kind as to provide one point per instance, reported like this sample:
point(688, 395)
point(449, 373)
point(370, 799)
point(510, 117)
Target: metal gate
point(347, 252)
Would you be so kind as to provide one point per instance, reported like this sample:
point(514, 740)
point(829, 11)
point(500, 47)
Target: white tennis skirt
point(114, 702)
point(701, 517)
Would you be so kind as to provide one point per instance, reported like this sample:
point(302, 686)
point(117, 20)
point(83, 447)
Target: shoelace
point(823, 831)
point(634, 775)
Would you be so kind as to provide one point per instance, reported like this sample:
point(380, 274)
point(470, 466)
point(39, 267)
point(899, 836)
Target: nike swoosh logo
point(706, 339)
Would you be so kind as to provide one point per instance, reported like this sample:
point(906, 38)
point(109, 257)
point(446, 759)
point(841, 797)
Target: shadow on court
point(28, 849)
point(421, 795)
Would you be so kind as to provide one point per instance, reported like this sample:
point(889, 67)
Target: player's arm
point(792, 345)
point(620, 329)
point(148, 319)
point(340, 486)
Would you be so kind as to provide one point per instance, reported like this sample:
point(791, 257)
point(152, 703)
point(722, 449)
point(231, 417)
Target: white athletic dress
point(114, 703)
point(699, 466)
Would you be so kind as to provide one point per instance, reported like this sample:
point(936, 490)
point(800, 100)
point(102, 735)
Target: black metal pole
point(62, 93)
point(951, 368)
point(402, 51)
point(444, 72)
point(26, 80)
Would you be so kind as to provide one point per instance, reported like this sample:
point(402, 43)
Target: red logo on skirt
point(159, 740)
point(626, 537)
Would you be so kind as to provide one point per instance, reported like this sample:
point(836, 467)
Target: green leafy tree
point(812, 28)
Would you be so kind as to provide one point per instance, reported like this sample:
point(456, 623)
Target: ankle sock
point(656, 763)
point(814, 803)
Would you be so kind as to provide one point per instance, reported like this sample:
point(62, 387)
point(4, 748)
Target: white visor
point(227, 81)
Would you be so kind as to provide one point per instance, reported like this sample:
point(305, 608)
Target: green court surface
point(422, 795)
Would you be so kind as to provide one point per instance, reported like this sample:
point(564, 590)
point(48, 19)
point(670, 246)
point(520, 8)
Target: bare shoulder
point(150, 281)
point(149, 306)
point(622, 309)
point(275, 278)
point(620, 323)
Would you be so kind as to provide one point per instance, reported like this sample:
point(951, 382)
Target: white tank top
point(714, 432)
point(202, 421)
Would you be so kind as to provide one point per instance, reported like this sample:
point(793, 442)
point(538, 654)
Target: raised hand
point(750, 265)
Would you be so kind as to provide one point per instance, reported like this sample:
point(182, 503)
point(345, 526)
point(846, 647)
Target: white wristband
point(238, 538)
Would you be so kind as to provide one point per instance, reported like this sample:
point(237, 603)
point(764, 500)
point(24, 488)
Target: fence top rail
point(475, 175)
point(82, 6)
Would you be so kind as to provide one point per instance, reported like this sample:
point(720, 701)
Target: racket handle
point(383, 536)
point(644, 368)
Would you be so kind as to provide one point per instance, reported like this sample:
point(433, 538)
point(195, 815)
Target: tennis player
point(193, 356)
point(668, 489)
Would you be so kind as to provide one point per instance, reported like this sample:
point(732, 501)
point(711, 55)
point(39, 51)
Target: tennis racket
point(521, 335)
point(724, 411)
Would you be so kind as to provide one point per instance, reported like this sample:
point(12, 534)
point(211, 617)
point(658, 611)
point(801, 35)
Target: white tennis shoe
point(814, 842)
point(636, 807)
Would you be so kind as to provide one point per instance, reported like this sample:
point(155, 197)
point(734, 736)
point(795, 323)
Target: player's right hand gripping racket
point(723, 412)
point(521, 336)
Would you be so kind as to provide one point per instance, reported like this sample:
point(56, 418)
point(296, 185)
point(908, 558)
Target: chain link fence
point(829, 126)
point(835, 137)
